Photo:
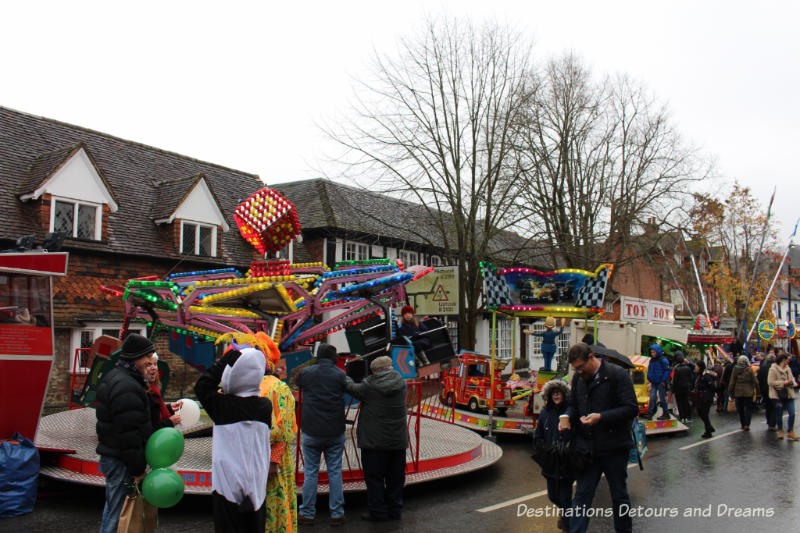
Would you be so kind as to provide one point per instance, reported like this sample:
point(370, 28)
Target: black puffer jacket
point(323, 387)
point(547, 433)
point(382, 421)
point(683, 378)
point(611, 395)
point(123, 418)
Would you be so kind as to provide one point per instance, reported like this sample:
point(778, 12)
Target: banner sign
point(641, 310)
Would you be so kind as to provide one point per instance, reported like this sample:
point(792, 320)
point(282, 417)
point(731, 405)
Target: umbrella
point(612, 355)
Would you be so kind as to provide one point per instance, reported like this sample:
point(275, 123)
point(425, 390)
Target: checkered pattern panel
point(495, 288)
point(591, 295)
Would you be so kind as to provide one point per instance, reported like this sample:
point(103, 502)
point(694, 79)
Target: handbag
point(783, 394)
point(138, 515)
point(694, 397)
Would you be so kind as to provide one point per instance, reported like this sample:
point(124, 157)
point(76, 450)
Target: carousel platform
point(444, 450)
point(480, 421)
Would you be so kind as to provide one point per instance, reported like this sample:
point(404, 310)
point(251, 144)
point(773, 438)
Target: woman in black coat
point(547, 441)
point(705, 395)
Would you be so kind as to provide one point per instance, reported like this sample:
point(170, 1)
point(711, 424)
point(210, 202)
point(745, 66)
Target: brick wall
point(316, 248)
point(77, 299)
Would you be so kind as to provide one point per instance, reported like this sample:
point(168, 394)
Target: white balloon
point(190, 413)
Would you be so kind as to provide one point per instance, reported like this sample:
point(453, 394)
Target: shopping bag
point(19, 474)
point(137, 516)
point(639, 444)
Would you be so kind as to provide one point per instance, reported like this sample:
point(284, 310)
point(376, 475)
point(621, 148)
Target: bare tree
point(437, 126)
point(600, 162)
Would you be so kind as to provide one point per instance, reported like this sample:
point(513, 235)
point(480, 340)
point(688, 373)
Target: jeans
point(788, 406)
point(118, 485)
point(769, 408)
point(684, 409)
point(559, 491)
point(744, 406)
point(313, 448)
point(615, 467)
point(702, 411)
point(384, 475)
point(661, 389)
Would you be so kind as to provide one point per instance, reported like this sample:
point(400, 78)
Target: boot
point(424, 358)
point(792, 436)
point(780, 434)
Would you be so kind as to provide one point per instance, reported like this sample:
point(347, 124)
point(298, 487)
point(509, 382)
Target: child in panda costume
point(240, 453)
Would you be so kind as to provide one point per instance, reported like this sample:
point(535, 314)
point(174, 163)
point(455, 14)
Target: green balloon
point(164, 448)
point(163, 487)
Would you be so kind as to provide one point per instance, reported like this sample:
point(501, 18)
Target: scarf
point(163, 412)
point(130, 367)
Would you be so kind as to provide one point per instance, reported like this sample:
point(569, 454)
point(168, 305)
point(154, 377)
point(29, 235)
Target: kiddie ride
point(522, 292)
point(297, 305)
point(468, 384)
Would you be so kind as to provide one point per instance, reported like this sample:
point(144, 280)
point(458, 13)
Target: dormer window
point(191, 203)
point(70, 181)
point(79, 220)
point(198, 239)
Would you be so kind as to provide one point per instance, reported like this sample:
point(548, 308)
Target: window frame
point(96, 328)
point(77, 204)
point(355, 251)
point(197, 226)
point(408, 257)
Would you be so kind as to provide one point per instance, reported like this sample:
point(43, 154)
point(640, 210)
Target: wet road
point(723, 481)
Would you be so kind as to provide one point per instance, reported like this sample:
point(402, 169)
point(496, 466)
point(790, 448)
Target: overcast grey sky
point(243, 84)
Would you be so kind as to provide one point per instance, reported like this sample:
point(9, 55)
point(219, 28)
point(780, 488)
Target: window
point(535, 344)
point(354, 251)
point(678, 259)
point(504, 344)
point(198, 239)
point(408, 258)
point(434, 261)
point(85, 337)
point(76, 219)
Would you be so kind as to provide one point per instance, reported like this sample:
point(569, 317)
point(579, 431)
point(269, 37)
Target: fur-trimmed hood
point(555, 385)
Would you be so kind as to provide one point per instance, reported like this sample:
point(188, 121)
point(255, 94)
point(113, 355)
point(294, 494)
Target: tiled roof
point(324, 204)
point(43, 167)
point(170, 194)
point(30, 148)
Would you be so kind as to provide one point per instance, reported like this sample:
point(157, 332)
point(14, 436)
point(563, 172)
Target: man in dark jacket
point(322, 425)
point(682, 384)
point(123, 425)
point(383, 438)
point(794, 365)
point(725, 379)
point(763, 387)
point(601, 410)
point(658, 374)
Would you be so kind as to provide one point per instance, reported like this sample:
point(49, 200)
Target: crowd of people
point(584, 427)
point(255, 424)
point(583, 432)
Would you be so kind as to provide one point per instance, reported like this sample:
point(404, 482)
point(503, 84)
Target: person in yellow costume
point(281, 490)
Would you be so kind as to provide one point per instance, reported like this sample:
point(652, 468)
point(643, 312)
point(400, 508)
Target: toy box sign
point(640, 310)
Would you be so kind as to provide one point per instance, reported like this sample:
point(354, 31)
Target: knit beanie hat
point(406, 309)
point(135, 346)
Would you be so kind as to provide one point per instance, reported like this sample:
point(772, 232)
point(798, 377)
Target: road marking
point(706, 441)
point(527, 497)
point(512, 502)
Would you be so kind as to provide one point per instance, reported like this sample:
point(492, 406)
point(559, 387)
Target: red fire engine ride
point(469, 382)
